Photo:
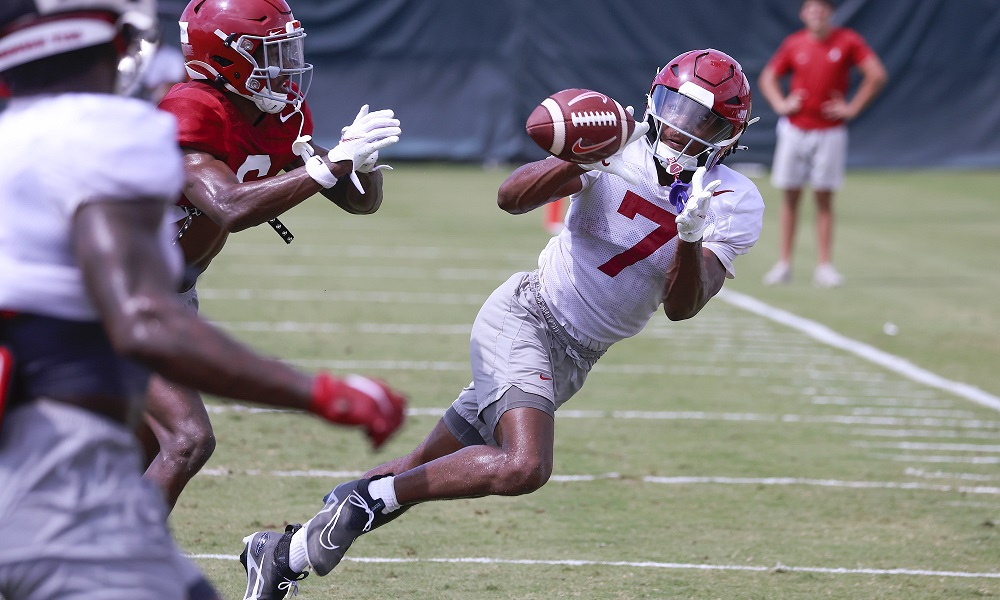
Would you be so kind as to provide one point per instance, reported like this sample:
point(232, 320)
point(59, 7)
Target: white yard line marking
point(943, 475)
point(340, 296)
point(779, 568)
point(925, 433)
point(567, 413)
point(391, 251)
point(829, 337)
point(966, 460)
point(685, 480)
point(830, 483)
point(984, 448)
point(368, 328)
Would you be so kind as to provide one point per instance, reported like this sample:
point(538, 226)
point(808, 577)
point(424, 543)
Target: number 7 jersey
point(604, 273)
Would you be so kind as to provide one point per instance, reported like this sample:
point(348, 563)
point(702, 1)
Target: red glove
point(357, 400)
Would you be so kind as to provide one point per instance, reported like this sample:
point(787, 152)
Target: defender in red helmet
point(255, 51)
point(657, 225)
point(245, 129)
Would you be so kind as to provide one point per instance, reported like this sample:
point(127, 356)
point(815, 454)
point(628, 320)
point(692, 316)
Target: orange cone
point(554, 216)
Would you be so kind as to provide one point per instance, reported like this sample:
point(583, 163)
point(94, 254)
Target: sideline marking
point(825, 335)
point(779, 568)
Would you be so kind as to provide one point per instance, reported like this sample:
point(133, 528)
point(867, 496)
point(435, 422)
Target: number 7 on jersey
point(632, 205)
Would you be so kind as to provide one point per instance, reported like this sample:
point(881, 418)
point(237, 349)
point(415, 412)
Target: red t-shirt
point(819, 68)
point(208, 121)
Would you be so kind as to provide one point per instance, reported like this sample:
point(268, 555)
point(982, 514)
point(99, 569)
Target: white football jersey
point(604, 274)
point(58, 153)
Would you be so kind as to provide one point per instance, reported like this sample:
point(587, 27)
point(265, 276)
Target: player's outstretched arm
point(696, 274)
point(234, 205)
point(117, 247)
point(347, 196)
point(538, 183)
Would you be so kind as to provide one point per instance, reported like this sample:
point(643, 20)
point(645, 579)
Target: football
point(580, 126)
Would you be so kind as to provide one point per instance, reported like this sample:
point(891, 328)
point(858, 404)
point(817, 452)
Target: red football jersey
point(819, 69)
point(208, 121)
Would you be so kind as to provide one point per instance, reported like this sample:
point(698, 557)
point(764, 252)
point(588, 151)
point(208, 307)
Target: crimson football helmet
point(697, 109)
point(31, 30)
point(251, 47)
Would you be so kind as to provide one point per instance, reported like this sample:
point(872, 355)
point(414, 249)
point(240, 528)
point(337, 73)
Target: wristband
point(320, 173)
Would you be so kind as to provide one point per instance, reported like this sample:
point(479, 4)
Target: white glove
point(614, 163)
point(691, 220)
point(370, 164)
point(369, 133)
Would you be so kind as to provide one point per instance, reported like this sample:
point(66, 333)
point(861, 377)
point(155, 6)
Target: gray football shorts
point(76, 518)
point(189, 297)
point(520, 357)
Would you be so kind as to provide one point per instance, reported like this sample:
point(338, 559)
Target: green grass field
point(729, 456)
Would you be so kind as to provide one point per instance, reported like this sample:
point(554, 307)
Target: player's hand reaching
point(371, 164)
point(369, 133)
point(357, 400)
point(614, 164)
point(691, 220)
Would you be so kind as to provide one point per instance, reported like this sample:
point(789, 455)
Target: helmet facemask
point(140, 38)
point(52, 27)
point(280, 76)
point(685, 133)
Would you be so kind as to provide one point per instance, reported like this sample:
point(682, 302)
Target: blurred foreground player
point(88, 305)
point(245, 129)
point(643, 229)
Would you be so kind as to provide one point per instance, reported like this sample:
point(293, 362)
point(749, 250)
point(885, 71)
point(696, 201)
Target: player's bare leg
point(788, 219)
point(826, 276)
point(824, 226)
point(440, 468)
point(177, 417)
point(520, 465)
point(788, 222)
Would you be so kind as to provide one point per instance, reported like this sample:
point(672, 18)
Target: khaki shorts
point(514, 345)
point(817, 157)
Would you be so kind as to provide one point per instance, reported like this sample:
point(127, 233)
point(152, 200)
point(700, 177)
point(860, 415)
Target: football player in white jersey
point(88, 308)
point(645, 228)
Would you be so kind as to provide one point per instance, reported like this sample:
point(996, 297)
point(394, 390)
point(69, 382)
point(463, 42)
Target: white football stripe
point(558, 126)
point(623, 121)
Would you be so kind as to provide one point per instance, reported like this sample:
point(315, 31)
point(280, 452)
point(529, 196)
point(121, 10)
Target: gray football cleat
point(265, 558)
point(349, 512)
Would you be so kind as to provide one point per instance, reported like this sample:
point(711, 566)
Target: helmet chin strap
point(268, 105)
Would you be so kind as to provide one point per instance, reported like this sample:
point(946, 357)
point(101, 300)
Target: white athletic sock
point(383, 488)
point(298, 558)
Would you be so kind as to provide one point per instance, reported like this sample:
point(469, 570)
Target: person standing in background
point(812, 132)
